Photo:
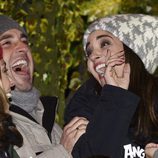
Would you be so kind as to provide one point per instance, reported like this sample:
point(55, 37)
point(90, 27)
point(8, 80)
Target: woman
point(120, 99)
point(9, 135)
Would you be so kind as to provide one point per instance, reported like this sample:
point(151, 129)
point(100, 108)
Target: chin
point(24, 88)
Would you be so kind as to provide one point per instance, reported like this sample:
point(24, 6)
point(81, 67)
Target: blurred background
point(55, 29)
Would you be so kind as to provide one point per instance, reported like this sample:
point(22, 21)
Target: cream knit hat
point(139, 32)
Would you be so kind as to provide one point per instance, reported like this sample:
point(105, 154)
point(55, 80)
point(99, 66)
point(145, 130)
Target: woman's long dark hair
point(9, 135)
point(145, 85)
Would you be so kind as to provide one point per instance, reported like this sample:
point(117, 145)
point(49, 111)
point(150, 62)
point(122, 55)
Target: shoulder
point(89, 86)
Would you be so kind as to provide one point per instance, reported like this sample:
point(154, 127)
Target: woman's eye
point(89, 52)
point(105, 43)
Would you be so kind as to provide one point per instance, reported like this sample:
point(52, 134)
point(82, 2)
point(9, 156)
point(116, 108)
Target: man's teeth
point(20, 62)
point(100, 69)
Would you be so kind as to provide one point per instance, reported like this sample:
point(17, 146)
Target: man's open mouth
point(20, 67)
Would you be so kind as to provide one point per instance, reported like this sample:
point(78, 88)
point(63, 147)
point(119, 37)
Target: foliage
point(98, 8)
point(52, 27)
point(144, 6)
point(55, 29)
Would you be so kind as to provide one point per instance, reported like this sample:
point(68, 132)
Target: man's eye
point(25, 41)
point(5, 70)
point(6, 43)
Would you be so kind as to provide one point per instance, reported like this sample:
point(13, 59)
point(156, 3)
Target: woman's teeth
point(100, 69)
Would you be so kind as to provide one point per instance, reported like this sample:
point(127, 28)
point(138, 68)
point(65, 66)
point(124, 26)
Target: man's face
point(18, 58)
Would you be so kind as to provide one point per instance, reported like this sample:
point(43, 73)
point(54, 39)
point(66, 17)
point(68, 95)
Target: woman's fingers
point(73, 131)
point(74, 124)
point(151, 145)
point(68, 141)
point(113, 79)
point(79, 133)
point(150, 149)
point(115, 61)
point(118, 54)
point(108, 73)
point(126, 71)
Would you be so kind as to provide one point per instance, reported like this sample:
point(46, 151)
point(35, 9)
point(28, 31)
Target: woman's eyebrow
point(100, 36)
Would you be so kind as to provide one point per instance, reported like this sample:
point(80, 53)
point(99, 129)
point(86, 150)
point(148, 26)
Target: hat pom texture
point(139, 32)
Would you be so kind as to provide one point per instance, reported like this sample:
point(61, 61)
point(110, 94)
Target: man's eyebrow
point(5, 37)
point(23, 35)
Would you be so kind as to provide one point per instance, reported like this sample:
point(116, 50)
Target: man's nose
point(21, 47)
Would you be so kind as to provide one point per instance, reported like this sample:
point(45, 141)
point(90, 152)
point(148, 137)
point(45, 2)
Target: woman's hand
point(150, 149)
point(73, 131)
point(111, 75)
point(112, 78)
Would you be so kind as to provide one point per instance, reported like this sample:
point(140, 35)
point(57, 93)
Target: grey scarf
point(25, 100)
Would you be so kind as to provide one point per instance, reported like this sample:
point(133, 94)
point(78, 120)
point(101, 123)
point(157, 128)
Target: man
point(34, 119)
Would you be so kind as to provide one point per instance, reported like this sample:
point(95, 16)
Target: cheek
point(117, 46)
point(31, 64)
point(5, 82)
point(6, 58)
point(29, 55)
point(6, 85)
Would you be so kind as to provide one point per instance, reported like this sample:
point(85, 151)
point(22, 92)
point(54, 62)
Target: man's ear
point(12, 84)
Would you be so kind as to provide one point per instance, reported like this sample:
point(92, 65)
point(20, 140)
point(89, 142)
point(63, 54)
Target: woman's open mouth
point(100, 69)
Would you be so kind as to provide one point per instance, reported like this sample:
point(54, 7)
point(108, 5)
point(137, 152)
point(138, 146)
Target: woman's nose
point(95, 55)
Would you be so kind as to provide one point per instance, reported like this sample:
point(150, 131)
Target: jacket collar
point(45, 118)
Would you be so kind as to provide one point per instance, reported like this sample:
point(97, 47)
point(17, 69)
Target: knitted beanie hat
point(7, 23)
point(139, 32)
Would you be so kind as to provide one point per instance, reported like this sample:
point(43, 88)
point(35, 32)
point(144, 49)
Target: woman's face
point(5, 82)
point(99, 44)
